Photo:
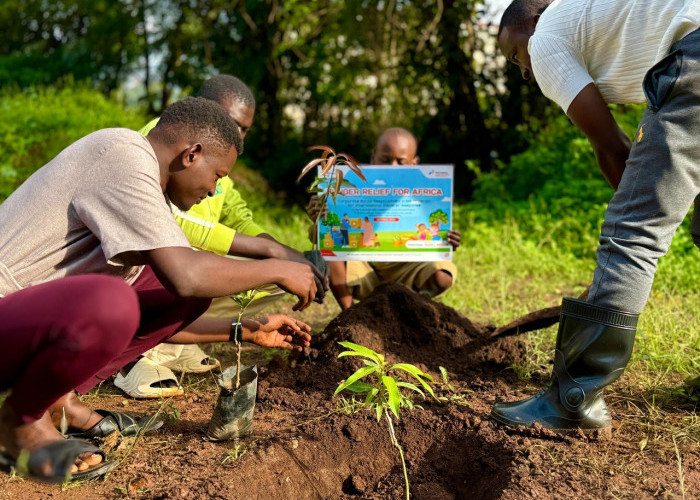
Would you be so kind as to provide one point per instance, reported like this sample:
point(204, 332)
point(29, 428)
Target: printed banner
point(401, 214)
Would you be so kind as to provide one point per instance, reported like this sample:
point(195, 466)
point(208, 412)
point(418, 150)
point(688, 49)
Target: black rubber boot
point(594, 345)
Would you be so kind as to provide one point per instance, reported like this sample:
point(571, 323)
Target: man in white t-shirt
point(584, 55)
point(94, 271)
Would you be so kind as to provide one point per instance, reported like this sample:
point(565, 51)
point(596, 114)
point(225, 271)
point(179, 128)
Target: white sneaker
point(146, 380)
point(192, 359)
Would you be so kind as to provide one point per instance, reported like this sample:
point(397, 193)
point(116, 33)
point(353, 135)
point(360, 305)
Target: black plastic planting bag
point(233, 415)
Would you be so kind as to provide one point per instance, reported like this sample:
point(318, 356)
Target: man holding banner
point(356, 279)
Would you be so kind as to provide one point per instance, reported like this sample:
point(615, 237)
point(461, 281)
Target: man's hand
point(278, 330)
point(314, 207)
point(297, 279)
point(288, 253)
point(454, 238)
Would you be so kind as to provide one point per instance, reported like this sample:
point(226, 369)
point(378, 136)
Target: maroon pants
point(74, 332)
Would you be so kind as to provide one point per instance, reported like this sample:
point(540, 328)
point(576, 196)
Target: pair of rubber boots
point(594, 344)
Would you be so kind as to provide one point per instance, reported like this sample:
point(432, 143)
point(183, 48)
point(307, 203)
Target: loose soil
point(305, 446)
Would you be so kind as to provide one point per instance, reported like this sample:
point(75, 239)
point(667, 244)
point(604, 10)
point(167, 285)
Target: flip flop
point(128, 424)
point(192, 359)
point(62, 455)
point(146, 380)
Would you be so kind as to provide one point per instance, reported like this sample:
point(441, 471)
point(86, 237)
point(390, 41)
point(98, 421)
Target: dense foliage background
point(323, 71)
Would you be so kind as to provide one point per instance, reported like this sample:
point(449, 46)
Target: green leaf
point(367, 362)
point(413, 387)
point(380, 408)
point(362, 372)
point(360, 387)
point(346, 183)
point(417, 374)
point(443, 372)
point(393, 393)
point(369, 353)
point(413, 370)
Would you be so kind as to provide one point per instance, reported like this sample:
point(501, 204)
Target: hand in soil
point(279, 330)
point(16, 436)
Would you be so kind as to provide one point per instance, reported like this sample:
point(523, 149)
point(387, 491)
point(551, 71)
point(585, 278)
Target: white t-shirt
point(92, 209)
point(612, 43)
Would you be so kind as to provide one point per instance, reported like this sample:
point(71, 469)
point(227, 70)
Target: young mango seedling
point(243, 300)
point(383, 393)
point(332, 179)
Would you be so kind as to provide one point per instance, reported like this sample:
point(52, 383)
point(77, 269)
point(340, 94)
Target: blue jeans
point(660, 183)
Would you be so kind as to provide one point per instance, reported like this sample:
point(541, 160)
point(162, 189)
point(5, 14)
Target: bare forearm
point(263, 246)
point(205, 330)
point(338, 279)
point(188, 273)
point(590, 113)
point(613, 159)
point(254, 247)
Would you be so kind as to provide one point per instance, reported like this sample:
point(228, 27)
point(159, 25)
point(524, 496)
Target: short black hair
point(226, 88)
point(199, 120)
point(520, 12)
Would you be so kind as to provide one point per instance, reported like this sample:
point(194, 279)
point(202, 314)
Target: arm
point(589, 112)
point(265, 246)
point(235, 212)
point(189, 273)
point(275, 330)
point(314, 207)
point(338, 284)
point(202, 231)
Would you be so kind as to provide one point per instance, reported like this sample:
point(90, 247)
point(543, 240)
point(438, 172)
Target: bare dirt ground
point(305, 446)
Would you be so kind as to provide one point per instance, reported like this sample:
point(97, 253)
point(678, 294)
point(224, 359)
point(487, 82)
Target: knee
point(437, 283)
point(109, 313)
point(443, 280)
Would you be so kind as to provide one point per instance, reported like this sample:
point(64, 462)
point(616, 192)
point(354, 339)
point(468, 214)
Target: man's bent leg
point(163, 314)
point(59, 334)
point(661, 179)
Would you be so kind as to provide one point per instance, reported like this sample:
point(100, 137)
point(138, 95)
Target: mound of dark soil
point(405, 327)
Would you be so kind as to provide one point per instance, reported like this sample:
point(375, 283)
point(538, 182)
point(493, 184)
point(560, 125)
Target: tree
point(332, 219)
point(438, 215)
point(323, 71)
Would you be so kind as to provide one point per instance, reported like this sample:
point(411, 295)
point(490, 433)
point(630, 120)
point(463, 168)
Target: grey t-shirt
point(92, 209)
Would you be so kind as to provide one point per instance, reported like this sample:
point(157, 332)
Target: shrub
point(39, 122)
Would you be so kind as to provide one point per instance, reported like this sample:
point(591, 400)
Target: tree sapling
point(328, 184)
point(384, 395)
